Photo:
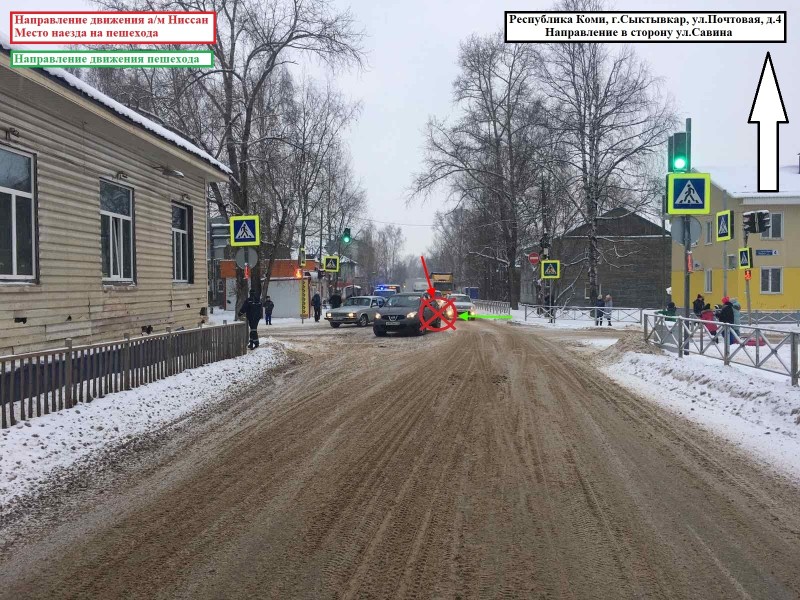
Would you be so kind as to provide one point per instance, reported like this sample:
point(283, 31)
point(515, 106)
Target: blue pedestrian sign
point(725, 226)
point(245, 231)
point(689, 193)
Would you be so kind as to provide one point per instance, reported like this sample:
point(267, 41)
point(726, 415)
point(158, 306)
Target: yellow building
point(775, 283)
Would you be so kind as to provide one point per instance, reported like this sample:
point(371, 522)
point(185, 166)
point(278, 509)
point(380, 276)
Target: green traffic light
point(679, 163)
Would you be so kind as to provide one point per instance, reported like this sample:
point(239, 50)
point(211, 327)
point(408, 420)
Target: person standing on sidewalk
point(698, 305)
point(598, 310)
point(269, 305)
point(609, 305)
point(253, 310)
point(316, 302)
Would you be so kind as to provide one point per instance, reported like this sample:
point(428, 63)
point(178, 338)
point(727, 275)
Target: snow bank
point(121, 109)
point(32, 451)
point(755, 410)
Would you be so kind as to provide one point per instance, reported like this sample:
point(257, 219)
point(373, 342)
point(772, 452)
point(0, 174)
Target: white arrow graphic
point(768, 111)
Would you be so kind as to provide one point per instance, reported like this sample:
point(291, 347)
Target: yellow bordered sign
point(330, 264)
point(725, 226)
point(245, 231)
point(551, 269)
point(745, 258)
point(689, 193)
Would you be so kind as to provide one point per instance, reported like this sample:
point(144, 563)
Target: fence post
point(795, 362)
point(170, 353)
point(726, 359)
point(126, 362)
point(680, 338)
point(645, 328)
point(68, 375)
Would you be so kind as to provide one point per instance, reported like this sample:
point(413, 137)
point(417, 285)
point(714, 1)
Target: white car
point(464, 304)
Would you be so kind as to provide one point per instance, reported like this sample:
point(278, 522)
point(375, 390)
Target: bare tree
point(611, 117)
point(219, 108)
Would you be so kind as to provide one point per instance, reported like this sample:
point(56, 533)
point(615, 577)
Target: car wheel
point(335, 325)
point(363, 321)
point(379, 332)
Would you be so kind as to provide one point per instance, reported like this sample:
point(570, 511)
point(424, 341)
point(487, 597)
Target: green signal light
point(679, 163)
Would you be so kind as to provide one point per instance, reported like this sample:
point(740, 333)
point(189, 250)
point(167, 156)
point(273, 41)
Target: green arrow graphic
point(467, 316)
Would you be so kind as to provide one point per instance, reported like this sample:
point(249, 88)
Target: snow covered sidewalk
point(756, 410)
point(33, 451)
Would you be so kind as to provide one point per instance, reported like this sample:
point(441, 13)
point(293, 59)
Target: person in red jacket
point(708, 315)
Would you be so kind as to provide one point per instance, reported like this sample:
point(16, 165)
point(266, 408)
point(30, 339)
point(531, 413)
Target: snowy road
point(483, 463)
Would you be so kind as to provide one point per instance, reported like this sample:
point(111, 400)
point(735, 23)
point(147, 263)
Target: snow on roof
point(742, 182)
point(70, 80)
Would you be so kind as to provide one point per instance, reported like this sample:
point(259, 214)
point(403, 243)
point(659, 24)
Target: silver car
point(356, 310)
point(464, 304)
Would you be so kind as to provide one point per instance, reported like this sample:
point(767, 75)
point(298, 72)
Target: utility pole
point(687, 237)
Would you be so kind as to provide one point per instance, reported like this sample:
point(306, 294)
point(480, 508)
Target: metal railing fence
point(619, 314)
point(493, 307)
point(758, 347)
point(38, 383)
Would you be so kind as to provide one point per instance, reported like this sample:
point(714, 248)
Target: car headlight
point(377, 315)
point(472, 311)
point(449, 311)
point(411, 315)
point(351, 315)
point(327, 315)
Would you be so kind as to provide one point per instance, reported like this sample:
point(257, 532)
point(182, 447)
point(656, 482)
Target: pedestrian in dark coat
point(336, 300)
point(598, 311)
point(253, 310)
point(698, 305)
point(269, 305)
point(316, 302)
point(725, 315)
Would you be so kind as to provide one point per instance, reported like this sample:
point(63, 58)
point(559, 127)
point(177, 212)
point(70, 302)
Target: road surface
point(489, 462)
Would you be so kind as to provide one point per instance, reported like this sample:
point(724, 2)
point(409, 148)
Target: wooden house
point(102, 216)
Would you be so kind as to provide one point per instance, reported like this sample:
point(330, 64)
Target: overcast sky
point(412, 47)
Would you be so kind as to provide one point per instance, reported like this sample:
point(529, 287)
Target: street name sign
point(330, 264)
point(725, 226)
point(551, 269)
point(689, 193)
point(245, 231)
point(745, 258)
point(765, 252)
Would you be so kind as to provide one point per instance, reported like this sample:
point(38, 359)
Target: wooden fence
point(38, 383)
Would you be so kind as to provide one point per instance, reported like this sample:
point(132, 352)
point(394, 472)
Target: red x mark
point(437, 313)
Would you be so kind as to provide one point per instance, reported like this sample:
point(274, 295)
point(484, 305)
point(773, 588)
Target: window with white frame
point(17, 216)
point(733, 262)
point(709, 238)
point(771, 280)
point(709, 281)
point(775, 231)
point(587, 288)
point(116, 231)
point(181, 243)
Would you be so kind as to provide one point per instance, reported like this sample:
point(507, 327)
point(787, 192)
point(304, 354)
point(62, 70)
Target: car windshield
point(403, 301)
point(357, 302)
point(460, 298)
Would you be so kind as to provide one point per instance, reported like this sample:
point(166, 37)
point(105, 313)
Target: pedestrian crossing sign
point(330, 264)
point(689, 193)
point(245, 231)
point(745, 258)
point(725, 226)
point(551, 269)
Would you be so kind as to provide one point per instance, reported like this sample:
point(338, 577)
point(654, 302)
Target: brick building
point(634, 265)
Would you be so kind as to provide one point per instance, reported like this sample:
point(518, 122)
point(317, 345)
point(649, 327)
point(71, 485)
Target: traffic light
point(346, 235)
point(763, 220)
point(298, 273)
point(679, 153)
point(749, 222)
